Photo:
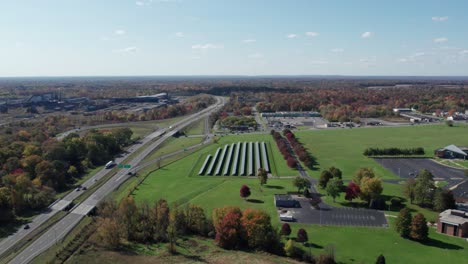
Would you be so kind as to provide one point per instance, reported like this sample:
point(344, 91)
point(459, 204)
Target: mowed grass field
point(343, 148)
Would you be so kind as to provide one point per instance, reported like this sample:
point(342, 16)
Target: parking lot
point(337, 216)
point(409, 168)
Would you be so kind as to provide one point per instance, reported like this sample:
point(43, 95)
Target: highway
point(62, 227)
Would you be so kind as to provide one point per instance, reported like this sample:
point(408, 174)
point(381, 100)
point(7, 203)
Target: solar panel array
point(241, 158)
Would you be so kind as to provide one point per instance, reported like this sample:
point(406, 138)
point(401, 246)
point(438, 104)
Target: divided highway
point(66, 224)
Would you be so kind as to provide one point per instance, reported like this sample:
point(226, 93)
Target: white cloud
point(249, 40)
point(412, 58)
point(319, 62)
point(119, 32)
point(440, 40)
point(206, 46)
point(256, 56)
point(126, 50)
point(463, 52)
point(291, 36)
point(312, 34)
point(440, 18)
point(366, 34)
point(337, 50)
point(180, 34)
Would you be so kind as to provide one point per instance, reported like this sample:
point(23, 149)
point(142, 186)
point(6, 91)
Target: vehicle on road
point(110, 164)
point(26, 226)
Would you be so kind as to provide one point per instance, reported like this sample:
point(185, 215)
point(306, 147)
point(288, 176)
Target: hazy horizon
point(55, 38)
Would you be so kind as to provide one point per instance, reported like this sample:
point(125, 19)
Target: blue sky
point(242, 37)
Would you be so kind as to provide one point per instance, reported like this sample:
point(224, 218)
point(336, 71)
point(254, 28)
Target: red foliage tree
point(302, 236)
point(229, 231)
point(291, 162)
point(352, 191)
point(285, 229)
point(244, 191)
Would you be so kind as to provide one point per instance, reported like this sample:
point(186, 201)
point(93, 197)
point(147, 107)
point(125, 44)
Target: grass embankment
point(197, 128)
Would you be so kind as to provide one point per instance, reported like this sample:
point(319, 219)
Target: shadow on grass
point(440, 244)
point(255, 201)
point(274, 187)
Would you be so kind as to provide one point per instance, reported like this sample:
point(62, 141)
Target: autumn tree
point(229, 230)
point(285, 229)
point(334, 187)
point(361, 173)
point(196, 219)
point(302, 236)
point(160, 218)
point(290, 248)
point(172, 231)
point(128, 213)
point(244, 191)
point(419, 229)
point(258, 229)
point(352, 191)
point(403, 223)
point(371, 188)
point(110, 231)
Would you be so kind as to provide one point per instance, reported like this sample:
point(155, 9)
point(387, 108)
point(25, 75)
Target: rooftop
point(283, 197)
point(455, 149)
point(455, 217)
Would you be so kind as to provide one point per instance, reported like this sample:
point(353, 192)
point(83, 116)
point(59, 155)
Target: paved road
point(61, 228)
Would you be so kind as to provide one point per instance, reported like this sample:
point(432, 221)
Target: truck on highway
point(110, 164)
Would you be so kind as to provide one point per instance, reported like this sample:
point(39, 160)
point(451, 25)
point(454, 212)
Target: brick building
point(453, 222)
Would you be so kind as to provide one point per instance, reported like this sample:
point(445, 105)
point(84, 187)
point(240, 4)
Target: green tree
point(300, 183)
point(409, 189)
point(380, 259)
point(419, 229)
point(443, 200)
point(290, 248)
point(325, 176)
point(334, 187)
point(196, 219)
point(336, 172)
point(424, 188)
point(262, 176)
point(403, 223)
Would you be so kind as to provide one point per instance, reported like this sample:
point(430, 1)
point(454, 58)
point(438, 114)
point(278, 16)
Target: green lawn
point(343, 148)
point(172, 145)
point(197, 128)
point(363, 245)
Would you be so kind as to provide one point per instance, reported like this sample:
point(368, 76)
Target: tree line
point(393, 151)
point(298, 148)
point(284, 149)
point(34, 166)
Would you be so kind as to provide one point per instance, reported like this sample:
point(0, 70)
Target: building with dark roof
point(285, 200)
point(453, 223)
point(452, 152)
